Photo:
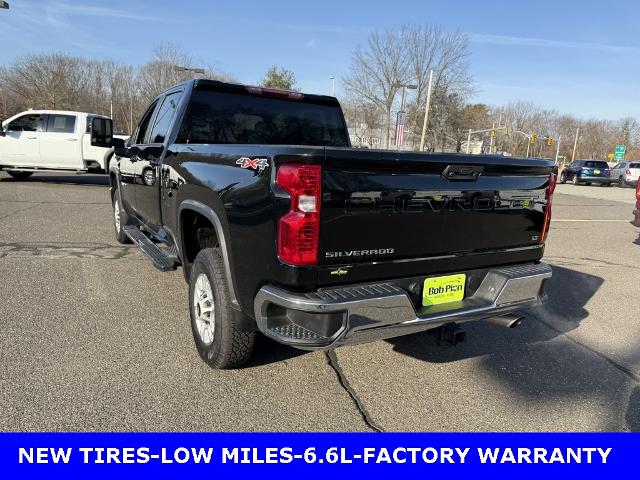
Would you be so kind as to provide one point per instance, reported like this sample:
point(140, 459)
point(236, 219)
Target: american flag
point(401, 119)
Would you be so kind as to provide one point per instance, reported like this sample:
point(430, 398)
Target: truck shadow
point(56, 179)
point(267, 351)
point(540, 367)
point(568, 292)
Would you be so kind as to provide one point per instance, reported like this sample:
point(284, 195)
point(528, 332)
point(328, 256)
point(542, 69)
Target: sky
point(577, 57)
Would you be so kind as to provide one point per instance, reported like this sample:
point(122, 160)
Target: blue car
point(587, 171)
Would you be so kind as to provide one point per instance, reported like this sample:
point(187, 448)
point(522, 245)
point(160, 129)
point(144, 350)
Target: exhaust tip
point(507, 321)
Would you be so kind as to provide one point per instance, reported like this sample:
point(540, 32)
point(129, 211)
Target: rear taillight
point(299, 229)
point(547, 209)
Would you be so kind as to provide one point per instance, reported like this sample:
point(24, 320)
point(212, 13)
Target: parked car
point(281, 227)
point(587, 171)
point(58, 140)
point(626, 173)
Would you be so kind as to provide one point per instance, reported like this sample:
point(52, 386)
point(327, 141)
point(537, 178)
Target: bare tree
point(378, 70)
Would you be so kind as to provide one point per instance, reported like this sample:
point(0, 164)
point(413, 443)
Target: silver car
point(625, 173)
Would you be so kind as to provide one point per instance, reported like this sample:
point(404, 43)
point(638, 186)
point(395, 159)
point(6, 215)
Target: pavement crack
point(34, 205)
point(332, 360)
point(604, 357)
point(66, 250)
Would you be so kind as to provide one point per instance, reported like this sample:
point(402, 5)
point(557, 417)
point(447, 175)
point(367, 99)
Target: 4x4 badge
point(255, 164)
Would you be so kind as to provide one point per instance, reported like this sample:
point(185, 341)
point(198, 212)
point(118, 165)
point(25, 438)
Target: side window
point(26, 123)
point(61, 123)
point(165, 116)
point(143, 127)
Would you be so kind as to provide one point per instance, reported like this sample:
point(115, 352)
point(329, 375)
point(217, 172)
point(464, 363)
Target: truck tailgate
point(381, 208)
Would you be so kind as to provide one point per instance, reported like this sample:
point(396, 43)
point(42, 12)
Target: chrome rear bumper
point(331, 317)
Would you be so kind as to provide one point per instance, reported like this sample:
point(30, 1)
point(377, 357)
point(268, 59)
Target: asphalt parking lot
point(92, 337)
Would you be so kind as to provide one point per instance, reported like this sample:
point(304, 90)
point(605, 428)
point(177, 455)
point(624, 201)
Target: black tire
point(231, 345)
point(121, 237)
point(621, 182)
point(19, 175)
point(588, 184)
point(575, 180)
point(607, 184)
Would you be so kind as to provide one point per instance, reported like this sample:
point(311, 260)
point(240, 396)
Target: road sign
point(619, 152)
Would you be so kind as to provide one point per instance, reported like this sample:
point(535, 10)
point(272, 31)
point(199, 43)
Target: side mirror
point(102, 132)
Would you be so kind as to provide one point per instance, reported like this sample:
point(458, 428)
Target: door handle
point(32, 138)
point(72, 139)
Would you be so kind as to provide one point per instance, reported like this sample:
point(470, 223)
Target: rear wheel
point(575, 179)
point(621, 181)
point(563, 179)
point(19, 175)
point(219, 341)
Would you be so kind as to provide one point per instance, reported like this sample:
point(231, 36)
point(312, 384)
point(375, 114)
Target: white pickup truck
point(40, 140)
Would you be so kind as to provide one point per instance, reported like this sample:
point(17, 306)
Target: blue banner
point(311, 455)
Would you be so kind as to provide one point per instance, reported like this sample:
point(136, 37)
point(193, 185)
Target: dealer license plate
point(596, 171)
point(445, 289)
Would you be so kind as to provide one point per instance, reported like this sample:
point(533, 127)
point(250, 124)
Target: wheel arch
point(190, 207)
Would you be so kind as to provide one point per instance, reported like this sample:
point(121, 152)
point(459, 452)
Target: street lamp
point(188, 69)
point(333, 85)
point(4, 5)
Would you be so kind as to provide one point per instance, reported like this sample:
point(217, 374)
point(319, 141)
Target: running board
point(164, 259)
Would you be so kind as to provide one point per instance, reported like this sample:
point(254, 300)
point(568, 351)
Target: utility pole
point(575, 144)
point(469, 141)
point(558, 149)
point(426, 112)
point(333, 85)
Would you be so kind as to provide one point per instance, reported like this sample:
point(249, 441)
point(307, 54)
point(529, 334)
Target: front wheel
point(120, 219)
point(19, 175)
point(575, 179)
point(219, 341)
point(621, 182)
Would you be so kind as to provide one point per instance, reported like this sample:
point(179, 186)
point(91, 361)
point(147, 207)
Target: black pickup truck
point(281, 227)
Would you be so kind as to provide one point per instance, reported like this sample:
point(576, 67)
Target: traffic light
point(493, 133)
point(533, 138)
point(507, 131)
point(549, 141)
point(494, 149)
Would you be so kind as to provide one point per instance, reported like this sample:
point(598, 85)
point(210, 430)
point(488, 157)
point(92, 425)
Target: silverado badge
point(255, 164)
